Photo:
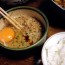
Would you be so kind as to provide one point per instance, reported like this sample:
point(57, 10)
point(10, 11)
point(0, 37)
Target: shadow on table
point(36, 53)
point(37, 56)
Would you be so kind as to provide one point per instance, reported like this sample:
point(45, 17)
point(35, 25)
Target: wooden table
point(30, 60)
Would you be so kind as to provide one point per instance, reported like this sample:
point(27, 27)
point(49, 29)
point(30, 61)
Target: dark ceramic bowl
point(58, 14)
point(54, 13)
point(60, 10)
point(33, 12)
point(13, 2)
point(58, 5)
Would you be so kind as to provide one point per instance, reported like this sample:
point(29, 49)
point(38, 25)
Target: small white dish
point(53, 51)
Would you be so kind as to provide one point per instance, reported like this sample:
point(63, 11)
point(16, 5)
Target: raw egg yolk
point(7, 34)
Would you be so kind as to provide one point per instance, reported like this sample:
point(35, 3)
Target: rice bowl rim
point(41, 39)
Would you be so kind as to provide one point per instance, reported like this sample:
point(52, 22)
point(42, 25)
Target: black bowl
point(54, 13)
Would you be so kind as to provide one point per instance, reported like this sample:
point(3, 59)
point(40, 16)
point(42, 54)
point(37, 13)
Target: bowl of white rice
point(53, 51)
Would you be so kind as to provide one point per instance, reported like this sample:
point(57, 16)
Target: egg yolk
point(7, 34)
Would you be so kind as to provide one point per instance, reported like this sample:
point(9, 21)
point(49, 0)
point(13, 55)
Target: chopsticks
point(10, 19)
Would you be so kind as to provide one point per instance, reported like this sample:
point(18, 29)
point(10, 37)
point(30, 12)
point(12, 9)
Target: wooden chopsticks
point(10, 19)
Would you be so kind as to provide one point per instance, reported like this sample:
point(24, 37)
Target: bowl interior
point(28, 11)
